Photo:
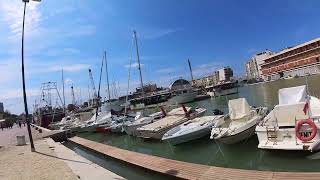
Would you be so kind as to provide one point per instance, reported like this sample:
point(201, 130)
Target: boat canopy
point(292, 95)
point(238, 108)
point(180, 84)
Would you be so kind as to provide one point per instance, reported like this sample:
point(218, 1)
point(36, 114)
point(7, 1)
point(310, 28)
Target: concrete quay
point(51, 161)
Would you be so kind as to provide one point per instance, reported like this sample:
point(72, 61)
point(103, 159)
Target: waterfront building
point(253, 65)
point(300, 60)
point(1, 107)
point(222, 75)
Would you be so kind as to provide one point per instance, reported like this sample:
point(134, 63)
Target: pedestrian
point(19, 124)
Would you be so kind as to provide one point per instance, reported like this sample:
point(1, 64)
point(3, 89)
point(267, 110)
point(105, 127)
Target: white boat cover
point(238, 108)
point(292, 95)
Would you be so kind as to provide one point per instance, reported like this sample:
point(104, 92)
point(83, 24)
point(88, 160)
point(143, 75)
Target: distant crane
point(95, 96)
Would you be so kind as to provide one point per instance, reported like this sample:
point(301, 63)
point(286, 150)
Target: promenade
point(51, 161)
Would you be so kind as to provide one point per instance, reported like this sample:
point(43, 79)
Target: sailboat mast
point(64, 99)
point(190, 68)
point(99, 91)
point(138, 59)
point(105, 58)
point(128, 85)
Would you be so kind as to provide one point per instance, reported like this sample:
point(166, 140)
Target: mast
point(190, 71)
point(64, 99)
point(105, 58)
point(89, 95)
point(138, 59)
point(128, 86)
point(92, 84)
point(99, 90)
point(72, 94)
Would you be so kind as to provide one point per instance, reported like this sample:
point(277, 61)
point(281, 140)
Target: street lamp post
point(23, 79)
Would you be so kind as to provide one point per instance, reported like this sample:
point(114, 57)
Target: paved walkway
point(51, 161)
point(19, 163)
point(8, 137)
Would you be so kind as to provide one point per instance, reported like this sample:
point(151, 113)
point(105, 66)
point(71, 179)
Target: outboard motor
point(217, 112)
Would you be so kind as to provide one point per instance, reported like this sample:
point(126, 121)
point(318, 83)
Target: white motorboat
point(293, 124)
point(103, 118)
point(182, 97)
point(239, 124)
point(182, 92)
point(64, 123)
point(130, 128)
point(157, 129)
point(192, 129)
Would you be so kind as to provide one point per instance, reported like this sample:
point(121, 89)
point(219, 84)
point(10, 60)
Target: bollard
point(21, 140)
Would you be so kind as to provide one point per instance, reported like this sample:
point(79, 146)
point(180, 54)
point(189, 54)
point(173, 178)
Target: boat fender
point(313, 132)
point(185, 110)
point(315, 146)
point(163, 111)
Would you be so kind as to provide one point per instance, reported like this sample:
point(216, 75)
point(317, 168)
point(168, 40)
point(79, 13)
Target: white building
point(253, 65)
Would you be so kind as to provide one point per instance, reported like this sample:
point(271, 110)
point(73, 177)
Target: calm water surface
point(244, 155)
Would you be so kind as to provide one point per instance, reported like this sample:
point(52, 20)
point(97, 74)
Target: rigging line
point(99, 90)
point(129, 74)
point(105, 58)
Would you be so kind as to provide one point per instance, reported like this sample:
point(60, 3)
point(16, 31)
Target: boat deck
point(185, 170)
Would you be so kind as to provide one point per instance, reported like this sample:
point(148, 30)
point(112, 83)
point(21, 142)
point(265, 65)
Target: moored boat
point(191, 130)
point(239, 124)
point(293, 124)
point(130, 128)
point(157, 129)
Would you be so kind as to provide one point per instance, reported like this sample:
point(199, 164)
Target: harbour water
point(244, 155)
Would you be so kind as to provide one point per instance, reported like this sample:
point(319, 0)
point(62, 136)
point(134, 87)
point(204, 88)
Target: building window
point(318, 59)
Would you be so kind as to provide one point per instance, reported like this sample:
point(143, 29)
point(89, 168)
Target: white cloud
point(166, 70)
point(70, 67)
point(11, 12)
point(133, 65)
point(81, 30)
point(206, 69)
point(155, 33)
point(68, 81)
point(63, 52)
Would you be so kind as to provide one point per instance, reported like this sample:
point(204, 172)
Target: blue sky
point(73, 35)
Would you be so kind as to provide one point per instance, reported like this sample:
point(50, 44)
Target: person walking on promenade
point(19, 124)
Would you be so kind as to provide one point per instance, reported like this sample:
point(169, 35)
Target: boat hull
point(184, 98)
point(224, 92)
point(159, 132)
point(189, 137)
point(232, 139)
point(132, 129)
point(286, 140)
